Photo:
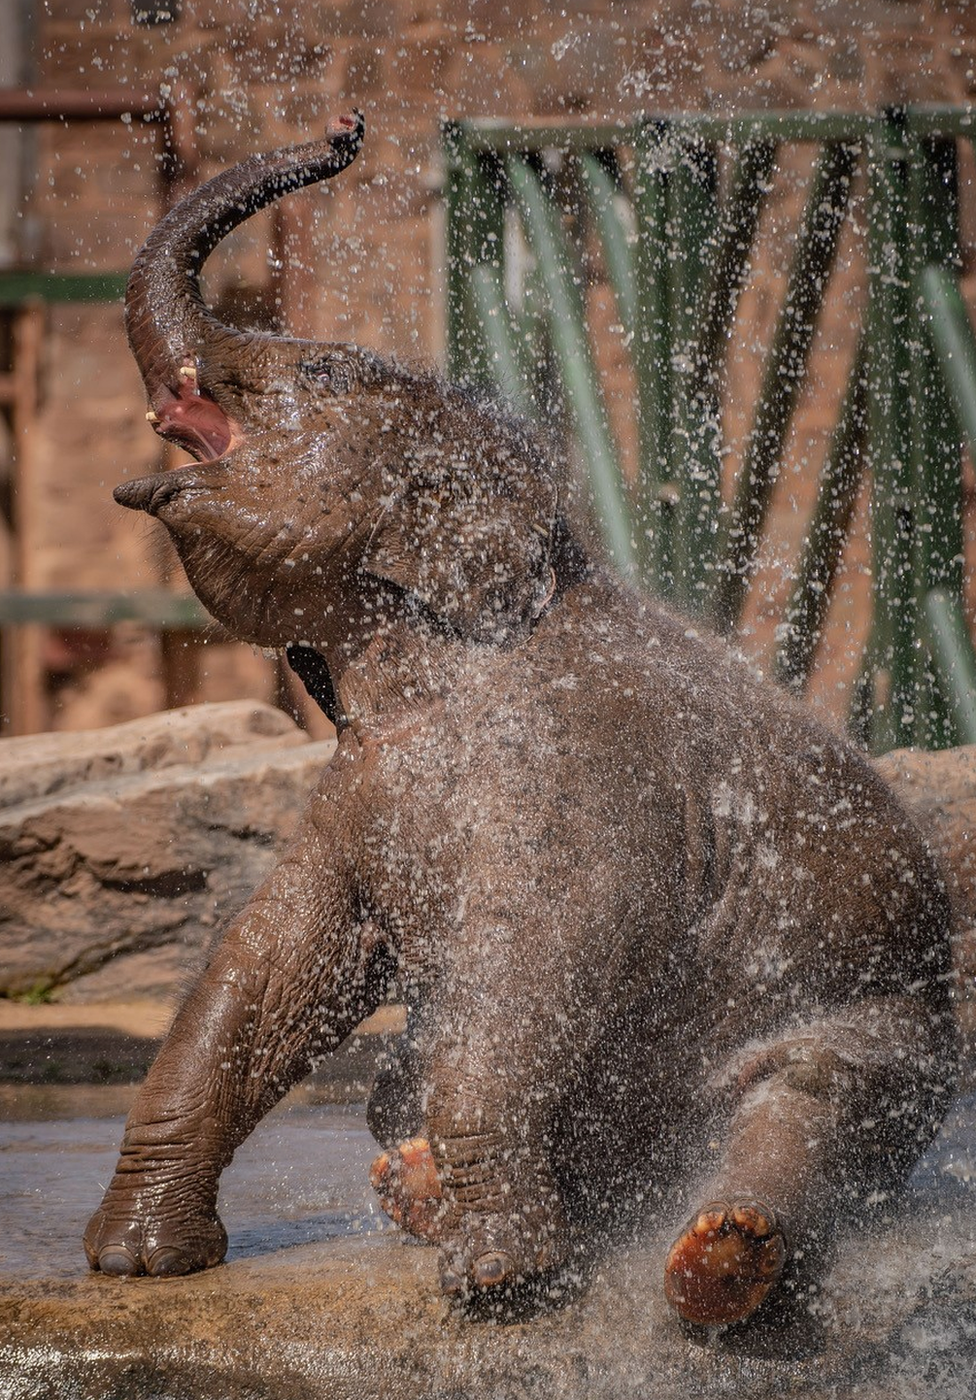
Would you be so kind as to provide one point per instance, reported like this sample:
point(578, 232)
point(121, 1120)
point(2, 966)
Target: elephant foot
point(406, 1181)
point(493, 1253)
point(725, 1263)
point(479, 1252)
point(126, 1243)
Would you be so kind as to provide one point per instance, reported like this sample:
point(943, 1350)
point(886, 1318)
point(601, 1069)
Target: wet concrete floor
point(320, 1300)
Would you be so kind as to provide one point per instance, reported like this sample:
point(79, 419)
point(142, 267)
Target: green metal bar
point(17, 287)
point(531, 330)
point(893, 656)
point(154, 608)
point(653, 353)
point(475, 235)
point(619, 255)
point(840, 480)
point(936, 457)
point(935, 219)
point(941, 121)
point(955, 345)
point(697, 463)
point(729, 268)
point(861, 709)
point(488, 134)
point(492, 313)
point(567, 324)
point(783, 376)
point(952, 652)
point(496, 134)
point(459, 331)
point(708, 327)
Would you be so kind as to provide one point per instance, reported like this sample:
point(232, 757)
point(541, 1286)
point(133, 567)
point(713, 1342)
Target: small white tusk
point(152, 417)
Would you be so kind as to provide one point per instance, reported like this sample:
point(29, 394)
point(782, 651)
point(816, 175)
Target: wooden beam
point(78, 104)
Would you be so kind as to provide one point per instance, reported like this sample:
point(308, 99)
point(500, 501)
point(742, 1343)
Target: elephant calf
point(654, 926)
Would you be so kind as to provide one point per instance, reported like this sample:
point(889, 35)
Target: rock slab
point(133, 845)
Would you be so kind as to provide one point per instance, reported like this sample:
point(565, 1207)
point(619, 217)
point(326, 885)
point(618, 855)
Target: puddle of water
point(40, 1103)
point(301, 1178)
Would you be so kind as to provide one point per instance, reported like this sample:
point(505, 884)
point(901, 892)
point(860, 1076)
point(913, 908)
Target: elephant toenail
point(166, 1260)
point(710, 1221)
point(491, 1269)
point(451, 1282)
point(116, 1259)
point(379, 1172)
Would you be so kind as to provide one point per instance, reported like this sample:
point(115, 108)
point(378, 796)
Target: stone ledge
point(39, 765)
point(363, 1318)
point(124, 851)
point(114, 1043)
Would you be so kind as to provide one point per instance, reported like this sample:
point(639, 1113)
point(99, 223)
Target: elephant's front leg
point(507, 1039)
point(289, 980)
point(505, 1221)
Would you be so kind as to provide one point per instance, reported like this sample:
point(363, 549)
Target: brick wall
point(249, 74)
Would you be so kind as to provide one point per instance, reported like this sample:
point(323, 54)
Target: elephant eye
point(331, 373)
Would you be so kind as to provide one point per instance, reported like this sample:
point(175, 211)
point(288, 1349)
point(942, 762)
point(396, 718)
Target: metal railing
point(671, 210)
point(22, 107)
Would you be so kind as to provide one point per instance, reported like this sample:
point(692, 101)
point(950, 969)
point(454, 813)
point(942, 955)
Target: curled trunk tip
point(166, 320)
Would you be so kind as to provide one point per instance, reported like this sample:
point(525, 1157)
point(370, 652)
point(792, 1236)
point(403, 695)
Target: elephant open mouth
point(191, 419)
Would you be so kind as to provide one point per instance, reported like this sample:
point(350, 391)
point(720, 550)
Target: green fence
point(671, 211)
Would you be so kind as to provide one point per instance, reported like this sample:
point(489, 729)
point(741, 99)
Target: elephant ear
point(468, 532)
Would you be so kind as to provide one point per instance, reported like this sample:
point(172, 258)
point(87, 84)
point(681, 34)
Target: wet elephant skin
point(662, 937)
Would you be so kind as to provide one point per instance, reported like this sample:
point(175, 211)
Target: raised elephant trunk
point(198, 372)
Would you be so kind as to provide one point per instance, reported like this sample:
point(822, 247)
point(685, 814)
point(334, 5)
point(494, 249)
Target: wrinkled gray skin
point(653, 923)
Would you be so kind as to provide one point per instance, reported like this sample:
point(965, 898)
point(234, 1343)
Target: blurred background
point(111, 108)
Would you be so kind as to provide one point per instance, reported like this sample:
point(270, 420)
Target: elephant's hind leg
point(725, 1262)
point(487, 1132)
point(511, 1227)
point(824, 1118)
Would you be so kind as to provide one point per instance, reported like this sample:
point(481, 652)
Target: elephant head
point(207, 383)
point(325, 472)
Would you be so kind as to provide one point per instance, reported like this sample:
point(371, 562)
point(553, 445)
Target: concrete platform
point(321, 1301)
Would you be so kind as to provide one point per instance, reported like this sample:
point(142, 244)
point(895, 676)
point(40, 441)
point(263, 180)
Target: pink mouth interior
point(196, 423)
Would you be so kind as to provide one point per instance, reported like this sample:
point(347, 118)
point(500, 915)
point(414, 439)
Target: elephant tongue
point(193, 421)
